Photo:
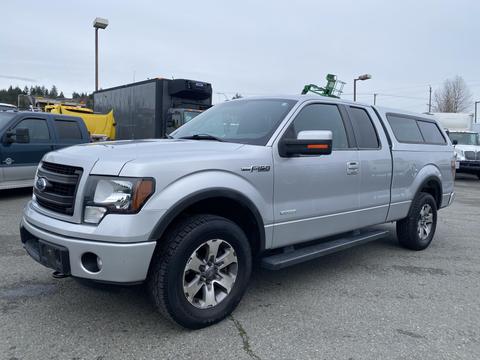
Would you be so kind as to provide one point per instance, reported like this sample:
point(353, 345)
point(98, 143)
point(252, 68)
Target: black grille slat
point(59, 196)
point(59, 169)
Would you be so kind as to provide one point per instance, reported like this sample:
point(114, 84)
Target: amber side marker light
point(142, 192)
point(317, 146)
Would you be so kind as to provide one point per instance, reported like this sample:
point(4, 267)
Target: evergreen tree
point(53, 92)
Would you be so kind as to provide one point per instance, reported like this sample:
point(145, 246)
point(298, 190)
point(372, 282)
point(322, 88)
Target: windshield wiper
point(202, 137)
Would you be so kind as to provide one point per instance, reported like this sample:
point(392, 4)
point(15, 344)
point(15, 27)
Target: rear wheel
point(416, 231)
point(201, 271)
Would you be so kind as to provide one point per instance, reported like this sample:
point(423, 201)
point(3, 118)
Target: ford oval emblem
point(41, 184)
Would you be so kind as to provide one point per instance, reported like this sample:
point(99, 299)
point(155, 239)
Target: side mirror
point(455, 142)
point(20, 136)
point(312, 142)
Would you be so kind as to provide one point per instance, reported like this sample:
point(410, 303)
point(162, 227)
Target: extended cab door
point(316, 196)
point(67, 131)
point(375, 165)
point(21, 160)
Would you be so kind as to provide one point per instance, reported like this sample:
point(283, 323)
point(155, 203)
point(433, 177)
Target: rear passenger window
point(68, 130)
point(431, 133)
point(405, 129)
point(363, 129)
point(321, 117)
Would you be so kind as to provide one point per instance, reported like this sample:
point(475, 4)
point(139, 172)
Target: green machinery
point(334, 87)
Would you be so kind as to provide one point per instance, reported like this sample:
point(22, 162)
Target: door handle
point(352, 168)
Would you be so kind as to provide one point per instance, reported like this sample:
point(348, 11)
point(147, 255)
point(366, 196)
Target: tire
point(412, 231)
point(174, 268)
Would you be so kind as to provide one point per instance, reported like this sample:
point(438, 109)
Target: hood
point(467, 147)
point(108, 158)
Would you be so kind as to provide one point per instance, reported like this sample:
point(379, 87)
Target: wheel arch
point(432, 185)
point(217, 201)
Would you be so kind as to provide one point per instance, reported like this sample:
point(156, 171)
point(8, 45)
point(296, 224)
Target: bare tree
point(454, 96)
point(237, 96)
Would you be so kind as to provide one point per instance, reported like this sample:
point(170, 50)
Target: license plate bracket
point(54, 256)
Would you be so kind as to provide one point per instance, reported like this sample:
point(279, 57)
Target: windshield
point(5, 118)
point(465, 138)
point(241, 121)
point(189, 115)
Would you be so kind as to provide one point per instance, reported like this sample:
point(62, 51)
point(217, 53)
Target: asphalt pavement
point(376, 301)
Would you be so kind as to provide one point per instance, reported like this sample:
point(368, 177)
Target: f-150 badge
point(259, 168)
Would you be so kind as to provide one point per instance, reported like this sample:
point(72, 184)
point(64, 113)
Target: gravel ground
point(376, 301)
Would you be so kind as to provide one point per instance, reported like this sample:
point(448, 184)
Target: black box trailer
point(153, 108)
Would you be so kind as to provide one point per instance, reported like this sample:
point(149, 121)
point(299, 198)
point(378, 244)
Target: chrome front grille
point(470, 155)
point(56, 187)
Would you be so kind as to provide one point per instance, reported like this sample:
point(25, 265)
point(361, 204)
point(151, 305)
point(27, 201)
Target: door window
point(68, 130)
point(321, 117)
point(37, 128)
point(363, 129)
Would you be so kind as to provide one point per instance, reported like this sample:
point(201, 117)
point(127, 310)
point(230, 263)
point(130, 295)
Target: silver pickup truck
point(273, 180)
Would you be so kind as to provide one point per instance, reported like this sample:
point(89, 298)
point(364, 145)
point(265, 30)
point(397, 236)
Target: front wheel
point(201, 271)
point(416, 231)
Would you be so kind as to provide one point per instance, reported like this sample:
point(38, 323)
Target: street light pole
point(476, 102)
point(96, 59)
point(361, 78)
point(98, 23)
point(355, 89)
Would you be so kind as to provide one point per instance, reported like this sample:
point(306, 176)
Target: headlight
point(118, 195)
point(459, 154)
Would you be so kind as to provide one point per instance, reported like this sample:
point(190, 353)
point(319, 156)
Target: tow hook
point(59, 275)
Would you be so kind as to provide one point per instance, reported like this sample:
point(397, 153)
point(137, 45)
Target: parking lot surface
point(376, 301)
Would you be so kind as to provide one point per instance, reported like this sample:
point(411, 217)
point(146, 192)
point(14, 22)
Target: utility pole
point(375, 98)
point(430, 99)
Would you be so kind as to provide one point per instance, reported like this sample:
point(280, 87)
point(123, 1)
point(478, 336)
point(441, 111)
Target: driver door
point(20, 161)
point(316, 196)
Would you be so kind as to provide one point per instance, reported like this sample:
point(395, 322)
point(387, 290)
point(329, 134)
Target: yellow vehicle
point(100, 126)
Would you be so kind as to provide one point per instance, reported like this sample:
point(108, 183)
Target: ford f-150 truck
point(278, 180)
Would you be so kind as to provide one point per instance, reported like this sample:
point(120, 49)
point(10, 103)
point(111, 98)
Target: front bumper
point(469, 166)
point(121, 262)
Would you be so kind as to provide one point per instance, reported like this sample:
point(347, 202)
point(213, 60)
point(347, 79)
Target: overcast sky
point(250, 47)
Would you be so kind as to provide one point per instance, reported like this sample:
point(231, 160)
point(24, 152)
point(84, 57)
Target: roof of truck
point(304, 98)
point(308, 97)
point(463, 131)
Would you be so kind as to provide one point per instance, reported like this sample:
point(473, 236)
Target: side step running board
point(296, 256)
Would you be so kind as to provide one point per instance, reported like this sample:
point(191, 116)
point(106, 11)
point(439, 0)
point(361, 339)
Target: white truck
point(463, 133)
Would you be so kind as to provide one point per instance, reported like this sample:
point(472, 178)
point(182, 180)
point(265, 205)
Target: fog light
point(93, 214)
point(91, 262)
